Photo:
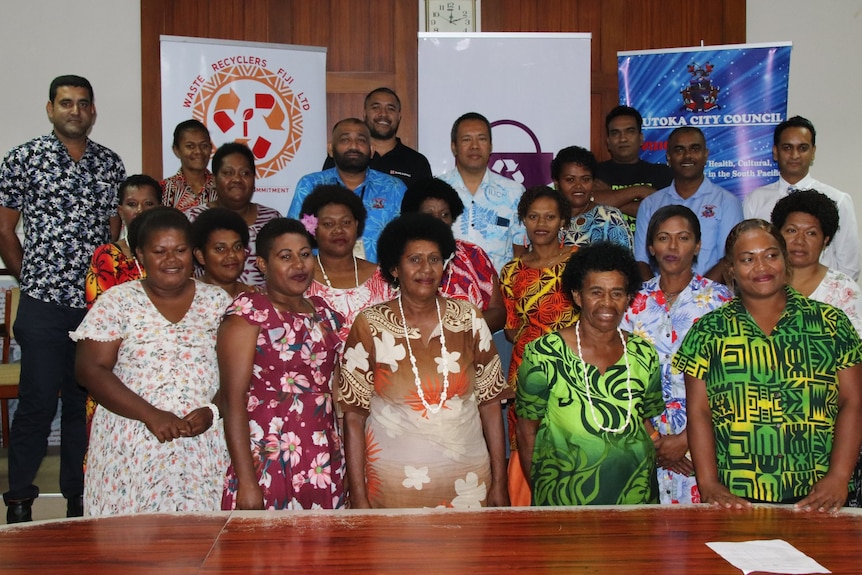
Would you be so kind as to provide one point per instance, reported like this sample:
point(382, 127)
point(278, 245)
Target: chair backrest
point(13, 295)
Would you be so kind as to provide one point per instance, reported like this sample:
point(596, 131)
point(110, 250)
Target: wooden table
point(616, 540)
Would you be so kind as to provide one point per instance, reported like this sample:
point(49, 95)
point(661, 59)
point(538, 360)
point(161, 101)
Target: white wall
point(97, 39)
point(825, 82)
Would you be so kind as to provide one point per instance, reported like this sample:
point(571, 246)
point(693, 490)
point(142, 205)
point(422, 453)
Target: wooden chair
point(10, 373)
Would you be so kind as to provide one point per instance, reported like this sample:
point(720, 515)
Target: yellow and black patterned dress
point(774, 398)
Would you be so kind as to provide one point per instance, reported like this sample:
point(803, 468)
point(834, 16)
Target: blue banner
point(735, 94)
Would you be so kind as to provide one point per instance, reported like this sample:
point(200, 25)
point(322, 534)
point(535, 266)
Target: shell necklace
point(326, 277)
point(587, 383)
point(443, 354)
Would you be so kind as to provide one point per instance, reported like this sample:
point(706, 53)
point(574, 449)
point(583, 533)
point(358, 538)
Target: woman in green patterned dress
point(772, 382)
point(586, 393)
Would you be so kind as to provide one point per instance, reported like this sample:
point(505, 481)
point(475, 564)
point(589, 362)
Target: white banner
point(533, 87)
point(269, 96)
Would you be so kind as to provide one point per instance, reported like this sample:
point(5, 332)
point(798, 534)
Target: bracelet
point(214, 408)
point(655, 434)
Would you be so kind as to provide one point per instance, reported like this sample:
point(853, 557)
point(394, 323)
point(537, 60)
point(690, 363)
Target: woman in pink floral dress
point(277, 354)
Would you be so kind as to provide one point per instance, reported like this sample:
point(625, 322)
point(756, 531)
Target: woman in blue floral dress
point(662, 313)
point(277, 355)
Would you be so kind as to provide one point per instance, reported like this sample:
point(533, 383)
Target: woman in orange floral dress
point(535, 301)
point(421, 386)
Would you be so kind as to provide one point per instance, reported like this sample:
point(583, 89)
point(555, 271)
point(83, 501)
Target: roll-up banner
point(271, 97)
point(534, 88)
point(736, 94)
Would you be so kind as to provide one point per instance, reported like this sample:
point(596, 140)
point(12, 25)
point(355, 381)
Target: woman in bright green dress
point(585, 394)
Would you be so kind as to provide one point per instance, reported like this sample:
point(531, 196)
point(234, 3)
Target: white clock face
point(457, 16)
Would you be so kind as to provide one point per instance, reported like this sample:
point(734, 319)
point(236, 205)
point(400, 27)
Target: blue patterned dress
point(665, 326)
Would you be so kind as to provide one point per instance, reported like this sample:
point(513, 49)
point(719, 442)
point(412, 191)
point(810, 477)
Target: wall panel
point(373, 43)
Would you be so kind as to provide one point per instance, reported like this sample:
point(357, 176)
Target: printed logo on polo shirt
point(378, 204)
point(708, 211)
point(245, 102)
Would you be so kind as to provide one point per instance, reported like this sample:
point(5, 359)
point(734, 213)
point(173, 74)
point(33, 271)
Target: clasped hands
point(166, 426)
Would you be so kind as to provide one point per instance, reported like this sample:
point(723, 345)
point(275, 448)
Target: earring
point(526, 242)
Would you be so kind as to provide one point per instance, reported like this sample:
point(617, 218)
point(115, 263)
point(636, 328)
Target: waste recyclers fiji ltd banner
point(735, 94)
point(271, 97)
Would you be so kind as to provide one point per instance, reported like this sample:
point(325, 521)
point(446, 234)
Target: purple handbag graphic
point(527, 168)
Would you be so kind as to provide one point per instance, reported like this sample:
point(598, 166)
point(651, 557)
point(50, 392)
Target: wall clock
point(449, 15)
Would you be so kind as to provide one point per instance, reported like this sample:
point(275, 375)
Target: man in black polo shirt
point(389, 155)
point(625, 179)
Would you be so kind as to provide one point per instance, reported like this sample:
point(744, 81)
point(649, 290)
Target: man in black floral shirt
point(65, 186)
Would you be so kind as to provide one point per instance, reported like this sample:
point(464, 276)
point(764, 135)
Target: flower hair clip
point(310, 223)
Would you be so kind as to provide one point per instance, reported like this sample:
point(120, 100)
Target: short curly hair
point(275, 228)
point(327, 194)
point(573, 155)
point(408, 228)
point(809, 202)
point(601, 257)
point(157, 219)
point(217, 219)
point(431, 188)
point(538, 192)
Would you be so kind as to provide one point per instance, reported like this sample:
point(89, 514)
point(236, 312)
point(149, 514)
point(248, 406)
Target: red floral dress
point(294, 441)
point(109, 267)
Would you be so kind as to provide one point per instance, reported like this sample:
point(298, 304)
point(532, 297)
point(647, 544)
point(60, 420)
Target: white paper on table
point(771, 556)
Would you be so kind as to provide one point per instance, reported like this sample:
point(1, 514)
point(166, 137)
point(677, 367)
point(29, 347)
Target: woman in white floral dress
point(146, 353)
point(421, 386)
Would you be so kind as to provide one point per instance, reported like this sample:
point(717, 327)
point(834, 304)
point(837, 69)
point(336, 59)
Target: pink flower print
point(253, 402)
point(272, 447)
point(282, 340)
point(298, 480)
point(293, 382)
point(261, 340)
point(319, 475)
point(260, 315)
point(241, 306)
point(323, 399)
point(312, 358)
point(290, 445)
point(273, 403)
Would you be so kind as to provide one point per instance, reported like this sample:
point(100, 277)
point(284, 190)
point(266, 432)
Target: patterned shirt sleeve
point(246, 306)
point(653, 402)
point(513, 321)
point(356, 383)
point(490, 383)
point(106, 319)
point(534, 388)
point(693, 355)
point(848, 347)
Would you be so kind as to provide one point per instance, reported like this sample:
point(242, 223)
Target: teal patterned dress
point(575, 462)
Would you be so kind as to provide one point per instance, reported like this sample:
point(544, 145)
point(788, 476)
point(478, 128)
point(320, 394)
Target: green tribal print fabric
point(574, 461)
point(773, 398)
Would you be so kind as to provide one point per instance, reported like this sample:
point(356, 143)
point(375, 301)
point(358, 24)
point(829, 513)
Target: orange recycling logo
point(252, 105)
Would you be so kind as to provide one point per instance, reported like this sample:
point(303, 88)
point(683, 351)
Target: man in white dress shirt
point(793, 149)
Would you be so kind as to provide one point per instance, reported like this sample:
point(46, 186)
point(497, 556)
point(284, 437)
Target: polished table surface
point(616, 540)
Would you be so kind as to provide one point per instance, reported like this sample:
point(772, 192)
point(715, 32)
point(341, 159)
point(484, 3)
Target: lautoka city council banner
point(736, 94)
point(534, 88)
point(271, 97)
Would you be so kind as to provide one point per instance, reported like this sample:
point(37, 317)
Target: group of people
point(619, 336)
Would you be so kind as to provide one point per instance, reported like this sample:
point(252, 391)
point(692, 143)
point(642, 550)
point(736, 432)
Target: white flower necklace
point(326, 277)
point(443, 353)
point(587, 382)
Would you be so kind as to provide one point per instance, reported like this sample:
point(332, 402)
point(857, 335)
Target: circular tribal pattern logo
point(253, 106)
